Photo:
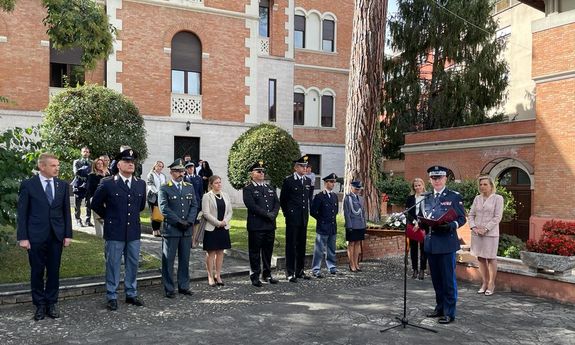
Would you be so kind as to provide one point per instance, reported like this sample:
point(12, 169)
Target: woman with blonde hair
point(217, 210)
point(156, 178)
point(418, 257)
point(484, 218)
point(355, 224)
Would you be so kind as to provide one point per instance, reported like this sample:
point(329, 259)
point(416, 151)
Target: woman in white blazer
point(217, 210)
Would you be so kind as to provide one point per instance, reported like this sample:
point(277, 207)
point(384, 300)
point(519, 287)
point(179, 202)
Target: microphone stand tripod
point(403, 321)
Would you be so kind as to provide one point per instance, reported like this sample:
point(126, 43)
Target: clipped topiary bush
point(266, 142)
point(92, 116)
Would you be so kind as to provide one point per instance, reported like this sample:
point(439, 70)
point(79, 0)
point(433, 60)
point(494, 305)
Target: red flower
point(558, 238)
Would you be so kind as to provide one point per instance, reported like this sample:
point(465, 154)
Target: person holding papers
point(443, 214)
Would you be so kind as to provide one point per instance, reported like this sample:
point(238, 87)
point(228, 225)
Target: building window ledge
point(186, 106)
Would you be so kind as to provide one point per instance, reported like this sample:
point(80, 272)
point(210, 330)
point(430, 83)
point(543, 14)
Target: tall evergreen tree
point(449, 71)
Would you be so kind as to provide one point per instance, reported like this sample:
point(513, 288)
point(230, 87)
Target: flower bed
point(558, 238)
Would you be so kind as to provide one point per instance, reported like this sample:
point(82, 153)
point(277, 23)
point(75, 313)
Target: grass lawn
point(84, 257)
point(239, 234)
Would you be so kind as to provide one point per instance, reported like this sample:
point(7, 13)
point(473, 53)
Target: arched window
point(298, 106)
point(328, 33)
point(186, 64)
point(327, 109)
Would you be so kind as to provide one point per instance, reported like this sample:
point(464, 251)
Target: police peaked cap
point(331, 176)
point(127, 155)
point(259, 165)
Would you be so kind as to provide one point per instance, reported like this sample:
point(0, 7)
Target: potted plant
point(555, 250)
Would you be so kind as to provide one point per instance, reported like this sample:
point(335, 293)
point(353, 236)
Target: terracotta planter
point(540, 261)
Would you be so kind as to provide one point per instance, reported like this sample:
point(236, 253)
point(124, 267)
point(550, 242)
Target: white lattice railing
point(264, 46)
point(186, 106)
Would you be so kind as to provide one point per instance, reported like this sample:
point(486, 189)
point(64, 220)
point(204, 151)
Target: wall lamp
point(188, 124)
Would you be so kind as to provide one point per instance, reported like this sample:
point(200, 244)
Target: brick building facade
point(247, 62)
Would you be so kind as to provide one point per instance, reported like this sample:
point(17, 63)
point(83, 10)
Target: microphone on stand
point(425, 193)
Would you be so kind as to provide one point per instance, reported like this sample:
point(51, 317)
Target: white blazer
point(210, 210)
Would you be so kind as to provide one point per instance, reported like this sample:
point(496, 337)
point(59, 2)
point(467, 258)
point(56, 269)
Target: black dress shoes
point(52, 311)
point(257, 283)
point(272, 280)
point(292, 279)
point(135, 301)
point(445, 320)
point(435, 313)
point(112, 305)
point(414, 275)
point(40, 312)
point(170, 294)
point(186, 292)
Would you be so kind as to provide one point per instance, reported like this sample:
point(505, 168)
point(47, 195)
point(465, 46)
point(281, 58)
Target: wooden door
point(518, 183)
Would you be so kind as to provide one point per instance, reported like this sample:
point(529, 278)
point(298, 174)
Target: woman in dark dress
point(217, 210)
point(205, 173)
point(416, 248)
point(98, 172)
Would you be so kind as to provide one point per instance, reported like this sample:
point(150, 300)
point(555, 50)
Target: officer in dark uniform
point(178, 204)
point(324, 208)
point(119, 199)
point(263, 206)
point(294, 201)
point(441, 242)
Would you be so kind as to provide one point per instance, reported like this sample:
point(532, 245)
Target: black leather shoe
point(186, 292)
point(435, 313)
point(134, 301)
point(40, 312)
point(170, 294)
point(272, 280)
point(292, 279)
point(52, 311)
point(421, 275)
point(112, 305)
point(414, 275)
point(446, 319)
point(89, 223)
point(257, 283)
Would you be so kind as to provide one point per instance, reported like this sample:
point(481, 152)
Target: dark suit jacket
point(120, 207)
point(324, 210)
point(36, 217)
point(294, 200)
point(176, 206)
point(263, 207)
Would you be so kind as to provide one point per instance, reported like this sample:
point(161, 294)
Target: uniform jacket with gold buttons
point(120, 207)
point(177, 205)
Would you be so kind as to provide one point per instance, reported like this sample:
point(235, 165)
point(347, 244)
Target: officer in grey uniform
point(263, 206)
point(178, 204)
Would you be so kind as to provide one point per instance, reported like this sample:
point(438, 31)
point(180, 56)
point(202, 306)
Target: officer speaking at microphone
point(441, 242)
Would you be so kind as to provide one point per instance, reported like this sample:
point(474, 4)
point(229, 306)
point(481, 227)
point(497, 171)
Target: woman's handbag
point(413, 234)
point(152, 197)
point(157, 216)
point(198, 233)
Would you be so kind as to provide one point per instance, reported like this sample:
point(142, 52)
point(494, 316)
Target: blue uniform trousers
point(169, 247)
point(442, 267)
point(323, 244)
point(114, 250)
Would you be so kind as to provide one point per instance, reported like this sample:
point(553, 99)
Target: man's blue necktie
point(49, 192)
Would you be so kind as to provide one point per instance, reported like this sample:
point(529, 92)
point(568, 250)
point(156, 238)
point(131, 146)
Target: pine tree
point(449, 71)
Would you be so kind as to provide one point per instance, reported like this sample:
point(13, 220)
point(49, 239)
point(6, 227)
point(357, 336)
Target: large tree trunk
point(365, 96)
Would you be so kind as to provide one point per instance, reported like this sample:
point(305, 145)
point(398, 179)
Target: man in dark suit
point(81, 168)
point(294, 201)
point(441, 243)
point(44, 226)
point(263, 206)
point(178, 204)
point(324, 209)
point(119, 199)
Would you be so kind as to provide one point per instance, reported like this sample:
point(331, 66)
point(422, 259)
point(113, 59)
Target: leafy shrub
point(92, 116)
point(510, 246)
point(557, 239)
point(397, 189)
point(265, 142)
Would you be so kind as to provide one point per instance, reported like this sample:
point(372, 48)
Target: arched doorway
point(518, 183)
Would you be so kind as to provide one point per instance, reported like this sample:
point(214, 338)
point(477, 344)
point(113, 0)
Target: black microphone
point(425, 193)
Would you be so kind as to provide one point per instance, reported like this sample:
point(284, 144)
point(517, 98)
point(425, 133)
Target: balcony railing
point(264, 46)
point(186, 106)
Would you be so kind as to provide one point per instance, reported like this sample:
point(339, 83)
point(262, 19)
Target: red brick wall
point(147, 69)
point(278, 31)
point(555, 108)
point(376, 247)
point(467, 163)
point(236, 5)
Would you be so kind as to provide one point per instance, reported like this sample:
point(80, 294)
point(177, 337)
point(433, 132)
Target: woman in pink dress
point(484, 218)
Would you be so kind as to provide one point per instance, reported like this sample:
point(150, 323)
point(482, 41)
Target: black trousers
point(296, 236)
point(44, 258)
point(260, 248)
point(417, 255)
point(78, 204)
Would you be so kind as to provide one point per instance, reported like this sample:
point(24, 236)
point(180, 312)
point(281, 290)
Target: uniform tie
point(127, 181)
point(49, 193)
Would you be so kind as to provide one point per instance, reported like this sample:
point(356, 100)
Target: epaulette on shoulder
point(454, 191)
point(184, 183)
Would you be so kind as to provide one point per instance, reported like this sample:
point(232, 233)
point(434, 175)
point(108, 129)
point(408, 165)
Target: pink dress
point(487, 213)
